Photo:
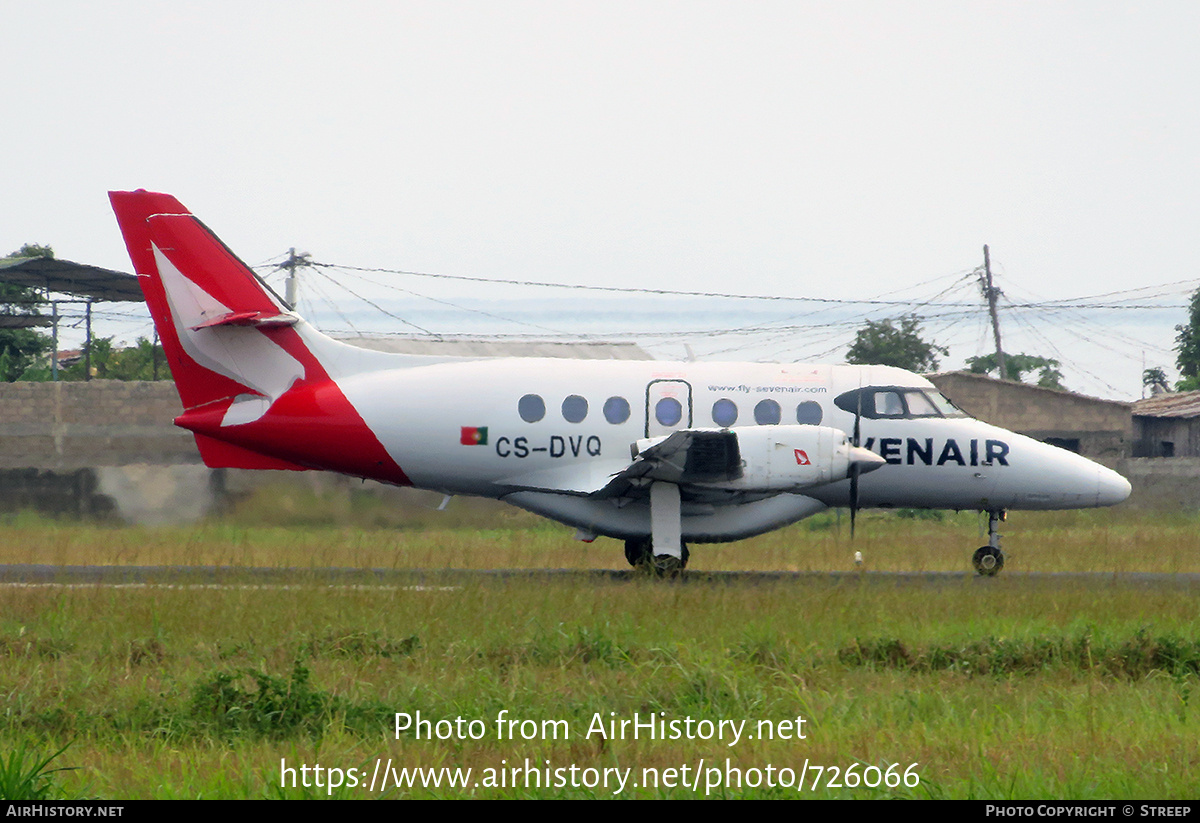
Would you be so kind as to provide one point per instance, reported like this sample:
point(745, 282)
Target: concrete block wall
point(68, 426)
point(1103, 427)
point(109, 448)
point(1165, 484)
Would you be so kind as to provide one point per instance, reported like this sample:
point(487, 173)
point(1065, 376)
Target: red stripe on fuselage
point(312, 425)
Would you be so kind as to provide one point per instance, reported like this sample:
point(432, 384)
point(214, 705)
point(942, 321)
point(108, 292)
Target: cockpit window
point(896, 402)
point(919, 405)
point(888, 404)
point(943, 405)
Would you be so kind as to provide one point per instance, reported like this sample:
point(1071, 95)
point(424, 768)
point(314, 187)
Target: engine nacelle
point(764, 458)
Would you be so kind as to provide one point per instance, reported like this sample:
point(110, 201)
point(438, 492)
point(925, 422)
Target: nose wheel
point(989, 560)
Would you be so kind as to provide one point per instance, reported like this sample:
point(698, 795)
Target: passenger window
point(616, 410)
point(532, 408)
point(725, 412)
point(668, 411)
point(574, 409)
point(809, 413)
point(767, 413)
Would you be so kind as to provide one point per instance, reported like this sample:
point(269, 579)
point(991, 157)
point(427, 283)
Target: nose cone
point(1111, 488)
point(866, 460)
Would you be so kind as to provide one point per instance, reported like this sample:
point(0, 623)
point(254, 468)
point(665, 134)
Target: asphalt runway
point(230, 577)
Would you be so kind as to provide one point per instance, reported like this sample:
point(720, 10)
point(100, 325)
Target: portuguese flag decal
point(474, 436)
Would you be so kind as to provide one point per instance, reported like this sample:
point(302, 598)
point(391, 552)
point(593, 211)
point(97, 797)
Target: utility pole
point(87, 347)
point(990, 293)
point(54, 354)
point(293, 262)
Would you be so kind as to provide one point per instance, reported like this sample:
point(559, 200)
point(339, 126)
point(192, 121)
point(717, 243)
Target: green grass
point(995, 688)
point(25, 774)
point(474, 534)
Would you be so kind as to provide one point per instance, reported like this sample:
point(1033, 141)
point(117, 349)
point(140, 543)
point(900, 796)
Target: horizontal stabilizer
point(257, 319)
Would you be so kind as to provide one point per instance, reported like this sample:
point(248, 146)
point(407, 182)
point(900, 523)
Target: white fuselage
point(578, 420)
point(655, 453)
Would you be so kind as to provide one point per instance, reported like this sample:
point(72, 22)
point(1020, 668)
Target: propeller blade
point(853, 498)
point(856, 466)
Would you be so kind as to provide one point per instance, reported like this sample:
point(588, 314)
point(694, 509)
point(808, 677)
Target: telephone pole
point(990, 293)
point(291, 285)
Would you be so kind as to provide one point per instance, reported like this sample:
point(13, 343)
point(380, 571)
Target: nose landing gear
point(989, 560)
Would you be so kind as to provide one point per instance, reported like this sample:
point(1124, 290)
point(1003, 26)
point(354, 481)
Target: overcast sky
point(832, 149)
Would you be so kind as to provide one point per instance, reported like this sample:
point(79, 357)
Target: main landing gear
point(640, 554)
point(663, 550)
point(989, 560)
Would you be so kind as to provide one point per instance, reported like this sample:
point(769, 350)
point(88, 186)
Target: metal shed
point(85, 285)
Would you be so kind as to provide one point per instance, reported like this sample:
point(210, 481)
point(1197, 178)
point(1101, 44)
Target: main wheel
point(637, 552)
point(640, 553)
point(988, 560)
point(667, 565)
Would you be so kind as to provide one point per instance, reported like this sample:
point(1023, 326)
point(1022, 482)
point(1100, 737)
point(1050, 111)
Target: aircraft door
point(668, 407)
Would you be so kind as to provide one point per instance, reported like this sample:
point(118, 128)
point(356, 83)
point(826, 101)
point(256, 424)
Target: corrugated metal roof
point(1169, 404)
point(65, 277)
point(25, 321)
point(461, 346)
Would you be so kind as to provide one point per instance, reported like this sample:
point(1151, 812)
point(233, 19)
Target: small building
point(1086, 425)
point(1167, 425)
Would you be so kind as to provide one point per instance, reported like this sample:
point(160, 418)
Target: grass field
point(1003, 688)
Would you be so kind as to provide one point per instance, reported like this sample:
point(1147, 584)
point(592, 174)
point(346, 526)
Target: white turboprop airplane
point(656, 454)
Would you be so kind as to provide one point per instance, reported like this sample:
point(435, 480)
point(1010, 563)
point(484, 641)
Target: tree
point(142, 361)
point(33, 250)
point(1187, 345)
point(20, 348)
point(1155, 380)
point(883, 343)
point(1018, 365)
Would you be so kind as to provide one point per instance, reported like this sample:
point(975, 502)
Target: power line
point(1084, 302)
point(624, 289)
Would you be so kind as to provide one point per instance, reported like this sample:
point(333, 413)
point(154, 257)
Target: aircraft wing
point(759, 461)
point(683, 458)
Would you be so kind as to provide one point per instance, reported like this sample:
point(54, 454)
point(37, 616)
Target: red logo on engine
point(802, 458)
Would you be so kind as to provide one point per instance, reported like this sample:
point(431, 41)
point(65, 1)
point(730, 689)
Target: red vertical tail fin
point(254, 391)
point(191, 280)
